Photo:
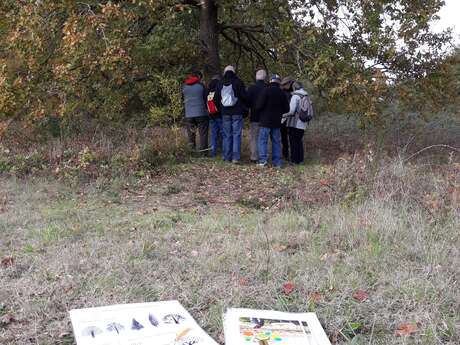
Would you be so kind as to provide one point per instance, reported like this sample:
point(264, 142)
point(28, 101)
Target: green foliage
point(21, 164)
point(171, 111)
point(118, 62)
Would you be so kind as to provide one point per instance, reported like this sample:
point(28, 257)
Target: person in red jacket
point(196, 113)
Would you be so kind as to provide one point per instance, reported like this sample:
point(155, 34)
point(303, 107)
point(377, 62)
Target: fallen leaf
point(326, 182)
point(288, 287)
point(334, 337)
point(406, 329)
point(333, 256)
point(182, 334)
point(316, 297)
point(24, 322)
point(7, 319)
point(360, 295)
point(7, 261)
point(244, 281)
point(279, 248)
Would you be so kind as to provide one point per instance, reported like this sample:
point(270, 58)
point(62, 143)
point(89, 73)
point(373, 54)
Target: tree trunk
point(209, 35)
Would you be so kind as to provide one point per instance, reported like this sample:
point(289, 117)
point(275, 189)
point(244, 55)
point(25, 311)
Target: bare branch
point(244, 27)
point(195, 3)
point(247, 48)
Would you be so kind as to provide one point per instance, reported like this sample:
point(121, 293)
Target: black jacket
point(271, 105)
point(254, 92)
point(239, 89)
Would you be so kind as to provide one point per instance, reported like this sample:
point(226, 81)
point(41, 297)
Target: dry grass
point(389, 228)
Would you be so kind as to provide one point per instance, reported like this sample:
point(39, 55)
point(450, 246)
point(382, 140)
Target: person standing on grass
point(271, 105)
point(253, 94)
point(196, 115)
point(215, 117)
point(230, 97)
point(295, 126)
point(286, 86)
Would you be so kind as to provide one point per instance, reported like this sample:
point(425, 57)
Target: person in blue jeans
point(271, 105)
point(232, 127)
point(215, 117)
point(216, 135)
point(274, 134)
point(231, 99)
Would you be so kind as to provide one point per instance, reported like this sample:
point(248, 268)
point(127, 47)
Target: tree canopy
point(124, 60)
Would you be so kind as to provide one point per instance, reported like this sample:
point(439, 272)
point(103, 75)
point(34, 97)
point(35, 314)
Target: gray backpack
point(305, 108)
point(228, 96)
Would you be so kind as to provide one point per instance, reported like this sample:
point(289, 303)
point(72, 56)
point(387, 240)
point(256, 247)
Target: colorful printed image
point(274, 332)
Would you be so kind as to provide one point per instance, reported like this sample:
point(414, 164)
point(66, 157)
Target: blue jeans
point(216, 135)
point(232, 127)
point(275, 136)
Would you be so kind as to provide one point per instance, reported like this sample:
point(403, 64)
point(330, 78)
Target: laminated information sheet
point(156, 323)
point(267, 327)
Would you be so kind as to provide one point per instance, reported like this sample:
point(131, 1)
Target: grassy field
point(371, 244)
point(191, 236)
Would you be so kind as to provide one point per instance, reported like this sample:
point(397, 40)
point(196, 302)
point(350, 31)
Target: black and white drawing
point(173, 318)
point(136, 325)
point(91, 331)
point(115, 327)
point(153, 320)
point(151, 323)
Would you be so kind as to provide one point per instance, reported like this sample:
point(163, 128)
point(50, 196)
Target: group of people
point(278, 111)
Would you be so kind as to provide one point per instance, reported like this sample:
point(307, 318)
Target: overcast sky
point(450, 17)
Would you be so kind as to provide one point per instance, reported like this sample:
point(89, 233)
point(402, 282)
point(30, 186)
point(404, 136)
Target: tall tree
point(116, 59)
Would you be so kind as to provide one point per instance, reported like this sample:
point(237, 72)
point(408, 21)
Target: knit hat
point(275, 78)
point(261, 74)
point(286, 81)
point(229, 68)
point(297, 85)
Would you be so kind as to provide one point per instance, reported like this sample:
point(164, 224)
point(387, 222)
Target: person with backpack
point(300, 113)
point(230, 97)
point(271, 105)
point(286, 86)
point(253, 94)
point(215, 118)
point(196, 115)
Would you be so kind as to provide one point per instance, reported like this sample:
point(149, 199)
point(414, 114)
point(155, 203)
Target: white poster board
point(156, 323)
point(267, 327)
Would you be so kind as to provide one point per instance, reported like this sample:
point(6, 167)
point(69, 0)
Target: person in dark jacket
point(271, 105)
point(196, 115)
point(286, 86)
point(253, 94)
point(231, 99)
point(215, 119)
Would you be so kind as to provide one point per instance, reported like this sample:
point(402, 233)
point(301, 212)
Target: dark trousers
point(202, 123)
point(296, 143)
point(285, 141)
